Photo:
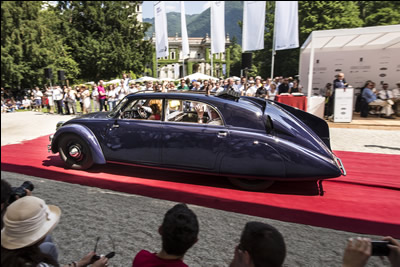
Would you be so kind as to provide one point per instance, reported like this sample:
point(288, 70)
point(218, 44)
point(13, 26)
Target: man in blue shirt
point(372, 100)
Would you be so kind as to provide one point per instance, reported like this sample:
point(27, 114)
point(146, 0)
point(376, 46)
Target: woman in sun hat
point(27, 222)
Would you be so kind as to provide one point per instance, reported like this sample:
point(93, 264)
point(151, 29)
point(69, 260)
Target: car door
point(134, 139)
point(189, 144)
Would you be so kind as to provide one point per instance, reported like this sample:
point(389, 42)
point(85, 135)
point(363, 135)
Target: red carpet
point(367, 200)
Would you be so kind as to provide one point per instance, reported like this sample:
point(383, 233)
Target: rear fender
point(86, 134)
point(318, 125)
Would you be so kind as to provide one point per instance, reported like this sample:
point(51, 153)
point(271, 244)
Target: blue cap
point(194, 80)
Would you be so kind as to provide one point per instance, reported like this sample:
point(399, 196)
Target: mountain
point(198, 25)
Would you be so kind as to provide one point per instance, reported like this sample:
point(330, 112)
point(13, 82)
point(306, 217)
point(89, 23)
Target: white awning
point(379, 37)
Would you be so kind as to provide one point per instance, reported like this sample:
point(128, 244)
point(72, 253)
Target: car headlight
point(59, 124)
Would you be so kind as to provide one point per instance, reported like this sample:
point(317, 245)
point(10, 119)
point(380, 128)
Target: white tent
point(113, 81)
point(362, 54)
point(199, 76)
point(146, 78)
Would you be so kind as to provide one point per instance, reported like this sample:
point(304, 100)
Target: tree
point(29, 44)
point(105, 37)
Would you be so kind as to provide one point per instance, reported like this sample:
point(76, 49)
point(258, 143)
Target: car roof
point(241, 113)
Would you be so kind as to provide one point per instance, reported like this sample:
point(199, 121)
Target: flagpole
point(273, 57)
point(212, 68)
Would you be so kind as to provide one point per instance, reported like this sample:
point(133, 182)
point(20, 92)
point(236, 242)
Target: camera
point(380, 248)
point(20, 191)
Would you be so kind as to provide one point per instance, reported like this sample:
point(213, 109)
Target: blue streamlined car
point(251, 141)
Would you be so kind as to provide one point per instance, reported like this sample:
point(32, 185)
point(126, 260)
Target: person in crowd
point(372, 100)
point(149, 86)
point(358, 251)
point(79, 99)
point(172, 86)
point(183, 85)
point(132, 88)
point(209, 89)
point(49, 95)
point(396, 95)
point(296, 88)
point(27, 222)
point(283, 88)
point(338, 83)
point(327, 92)
point(230, 84)
point(290, 80)
point(266, 83)
point(11, 105)
point(95, 98)
point(65, 100)
point(260, 245)
point(204, 86)
point(262, 92)
point(272, 91)
point(26, 103)
point(102, 95)
point(196, 86)
point(58, 99)
point(121, 91)
point(85, 96)
point(385, 93)
point(192, 83)
point(112, 95)
point(179, 231)
point(71, 100)
point(217, 88)
point(125, 82)
point(251, 89)
point(37, 96)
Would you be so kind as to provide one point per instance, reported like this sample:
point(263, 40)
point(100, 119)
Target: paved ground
point(133, 220)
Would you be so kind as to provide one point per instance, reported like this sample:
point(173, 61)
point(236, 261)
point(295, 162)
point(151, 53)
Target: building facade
point(199, 59)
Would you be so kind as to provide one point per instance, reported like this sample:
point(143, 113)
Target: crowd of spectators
point(105, 96)
point(27, 223)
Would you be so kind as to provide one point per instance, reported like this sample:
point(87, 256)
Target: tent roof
point(379, 37)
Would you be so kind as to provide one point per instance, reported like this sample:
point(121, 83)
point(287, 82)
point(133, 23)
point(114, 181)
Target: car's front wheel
point(75, 152)
point(251, 184)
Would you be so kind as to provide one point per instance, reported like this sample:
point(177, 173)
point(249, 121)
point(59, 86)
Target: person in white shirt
point(49, 95)
point(121, 90)
point(85, 96)
point(272, 91)
point(37, 96)
point(26, 103)
point(251, 91)
point(71, 100)
point(58, 98)
point(95, 98)
point(112, 96)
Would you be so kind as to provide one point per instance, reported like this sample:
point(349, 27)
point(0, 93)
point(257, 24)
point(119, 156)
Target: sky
point(191, 7)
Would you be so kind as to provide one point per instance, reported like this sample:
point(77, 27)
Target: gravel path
point(133, 220)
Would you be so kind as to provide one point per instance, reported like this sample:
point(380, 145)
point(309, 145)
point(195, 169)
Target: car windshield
point(118, 108)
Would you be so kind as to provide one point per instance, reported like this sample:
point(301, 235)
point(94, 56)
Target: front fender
point(86, 134)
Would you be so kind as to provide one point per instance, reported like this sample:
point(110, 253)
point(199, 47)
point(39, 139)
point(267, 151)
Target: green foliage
point(105, 37)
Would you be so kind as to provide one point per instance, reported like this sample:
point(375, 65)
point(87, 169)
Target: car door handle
point(115, 126)
point(222, 134)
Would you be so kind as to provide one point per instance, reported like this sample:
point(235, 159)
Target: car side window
point(191, 112)
point(143, 109)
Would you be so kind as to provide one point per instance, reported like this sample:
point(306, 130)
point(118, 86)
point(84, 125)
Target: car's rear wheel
point(75, 152)
point(251, 184)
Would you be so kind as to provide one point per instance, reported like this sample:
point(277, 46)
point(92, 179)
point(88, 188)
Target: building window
point(198, 55)
point(172, 55)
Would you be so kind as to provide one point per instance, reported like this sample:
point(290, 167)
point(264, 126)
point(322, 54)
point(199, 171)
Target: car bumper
point(49, 145)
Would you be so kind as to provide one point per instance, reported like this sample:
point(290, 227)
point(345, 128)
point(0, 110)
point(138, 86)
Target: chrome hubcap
point(75, 151)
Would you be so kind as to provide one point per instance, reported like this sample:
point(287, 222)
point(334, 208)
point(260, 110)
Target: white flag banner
point(217, 26)
point(286, 29)
point(253, 25)
point(185, 42)
point(160, 18)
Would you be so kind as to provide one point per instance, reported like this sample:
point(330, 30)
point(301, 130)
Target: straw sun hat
point(27, 221)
